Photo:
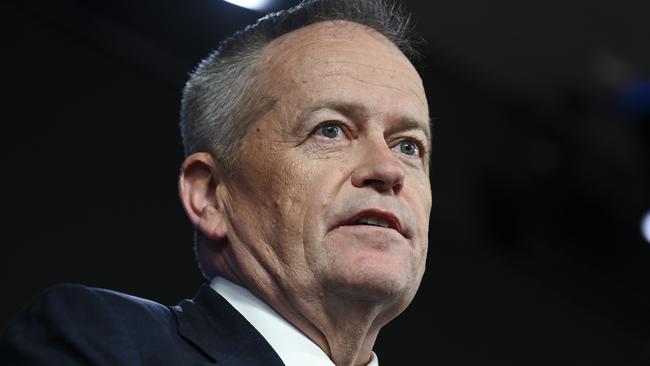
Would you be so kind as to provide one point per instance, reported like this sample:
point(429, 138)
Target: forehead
point(344, 61)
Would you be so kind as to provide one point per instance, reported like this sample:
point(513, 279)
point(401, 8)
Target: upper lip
point(393, 221)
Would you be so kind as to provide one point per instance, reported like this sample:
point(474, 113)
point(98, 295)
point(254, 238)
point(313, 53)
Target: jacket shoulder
point(74, 324)
point(79, 304)
point(75, 293)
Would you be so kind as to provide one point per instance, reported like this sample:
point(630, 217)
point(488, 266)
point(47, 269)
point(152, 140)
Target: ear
point(198, 186)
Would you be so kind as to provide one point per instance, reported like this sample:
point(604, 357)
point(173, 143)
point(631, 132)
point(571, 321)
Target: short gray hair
point(220, 100)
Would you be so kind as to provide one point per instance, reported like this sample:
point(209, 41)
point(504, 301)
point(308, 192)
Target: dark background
point(541, 170)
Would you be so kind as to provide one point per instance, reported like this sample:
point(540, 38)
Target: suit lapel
point(210, 323)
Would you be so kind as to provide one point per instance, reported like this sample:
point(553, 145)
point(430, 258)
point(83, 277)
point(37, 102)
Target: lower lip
point(368, 236)
point(370, 229)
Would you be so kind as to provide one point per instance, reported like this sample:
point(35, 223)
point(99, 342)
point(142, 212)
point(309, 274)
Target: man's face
point(331, 191)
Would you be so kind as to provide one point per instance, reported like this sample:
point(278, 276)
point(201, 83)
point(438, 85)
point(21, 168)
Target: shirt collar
point(293, 347)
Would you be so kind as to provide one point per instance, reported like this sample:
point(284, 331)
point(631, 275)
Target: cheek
point(425, 203)
point(325, 184)
point(320, 195)
point(420, 201)
point(292, 190)
point(418, 193)
point(264, 194)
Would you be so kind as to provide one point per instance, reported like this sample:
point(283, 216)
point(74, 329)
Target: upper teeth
point(372, 220)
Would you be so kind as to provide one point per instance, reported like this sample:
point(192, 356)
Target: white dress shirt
point(293, 347)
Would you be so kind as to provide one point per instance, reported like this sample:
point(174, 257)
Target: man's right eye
point(329, 130)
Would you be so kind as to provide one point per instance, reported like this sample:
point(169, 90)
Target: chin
point(371, 266)
point(388, 281)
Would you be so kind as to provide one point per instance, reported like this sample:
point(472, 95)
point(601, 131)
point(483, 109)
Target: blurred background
point(540, 168)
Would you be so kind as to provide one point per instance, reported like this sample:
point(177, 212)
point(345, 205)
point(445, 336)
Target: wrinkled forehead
point(334, 48)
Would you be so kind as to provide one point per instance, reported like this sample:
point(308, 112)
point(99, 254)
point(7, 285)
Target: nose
point(379, 168)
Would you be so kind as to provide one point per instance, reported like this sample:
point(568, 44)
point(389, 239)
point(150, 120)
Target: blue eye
point(330, 130)
point(409, 147)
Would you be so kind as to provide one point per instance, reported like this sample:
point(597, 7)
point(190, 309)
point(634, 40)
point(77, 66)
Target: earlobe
point(212, 223)
point(198, 186)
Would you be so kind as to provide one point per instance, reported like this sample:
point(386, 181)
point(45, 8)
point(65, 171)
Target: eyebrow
point(358, 111)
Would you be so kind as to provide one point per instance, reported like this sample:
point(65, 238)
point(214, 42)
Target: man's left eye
point(408, 147)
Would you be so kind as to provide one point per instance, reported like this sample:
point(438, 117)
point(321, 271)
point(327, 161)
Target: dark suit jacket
point(77, 325)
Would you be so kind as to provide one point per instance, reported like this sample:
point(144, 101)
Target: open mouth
point(376, 218)
point(373, 220)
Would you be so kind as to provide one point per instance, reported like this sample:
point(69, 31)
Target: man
point(306, 177)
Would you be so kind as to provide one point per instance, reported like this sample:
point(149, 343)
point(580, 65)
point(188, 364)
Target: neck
point(344, 323)
point(344, 327)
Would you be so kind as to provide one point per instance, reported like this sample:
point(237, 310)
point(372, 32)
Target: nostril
point(396, 187)
point(373, 182)
point(383, 185)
